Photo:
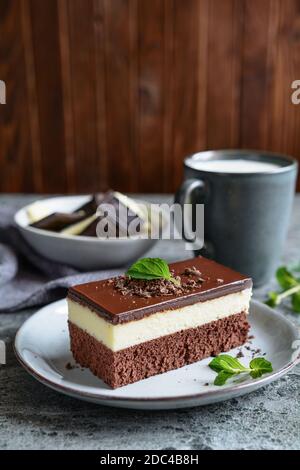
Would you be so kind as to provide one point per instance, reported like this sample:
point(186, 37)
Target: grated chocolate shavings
point(192, 279)
point(193, 271)
point(146, 288)
point(191, 283)
point(152, 288)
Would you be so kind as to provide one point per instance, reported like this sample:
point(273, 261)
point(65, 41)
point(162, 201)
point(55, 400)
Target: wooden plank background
point(114, 93)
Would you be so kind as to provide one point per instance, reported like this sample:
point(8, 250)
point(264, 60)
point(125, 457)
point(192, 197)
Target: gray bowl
point(81, 252)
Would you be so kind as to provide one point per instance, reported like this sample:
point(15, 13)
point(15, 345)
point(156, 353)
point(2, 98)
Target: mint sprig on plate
point(290, 285)
point(149, 269)
point(227, 366)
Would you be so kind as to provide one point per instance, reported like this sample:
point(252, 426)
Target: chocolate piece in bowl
point(90, 207)
point(124, 211)
point(58, 221)
point(125, 329)
point(84, 220)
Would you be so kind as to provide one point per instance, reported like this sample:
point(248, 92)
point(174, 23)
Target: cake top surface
point(121, 300)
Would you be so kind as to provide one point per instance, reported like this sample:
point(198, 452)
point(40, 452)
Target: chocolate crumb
point(239, 354)
point(206, 384)
point(251, 337)
point(69, 366)
point(193, 271)
point(190, 284)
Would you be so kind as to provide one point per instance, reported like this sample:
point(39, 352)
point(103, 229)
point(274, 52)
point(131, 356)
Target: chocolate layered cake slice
point(125, 329)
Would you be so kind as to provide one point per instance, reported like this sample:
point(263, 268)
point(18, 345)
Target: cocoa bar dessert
point(157, 318)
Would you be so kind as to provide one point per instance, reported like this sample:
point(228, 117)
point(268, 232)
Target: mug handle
point(184, 196)
point(184, 193)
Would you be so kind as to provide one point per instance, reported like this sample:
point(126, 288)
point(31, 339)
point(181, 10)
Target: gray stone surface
point(34, 417)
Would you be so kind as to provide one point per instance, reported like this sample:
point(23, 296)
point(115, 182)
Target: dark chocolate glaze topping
point(108, 302)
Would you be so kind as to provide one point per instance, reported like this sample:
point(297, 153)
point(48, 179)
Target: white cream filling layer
point(124, 335)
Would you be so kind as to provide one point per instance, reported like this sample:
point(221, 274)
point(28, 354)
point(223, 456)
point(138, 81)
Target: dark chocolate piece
point(117, 221)
point(90, 207)
point(104, 299)
point(90, 230)
point(58, 221)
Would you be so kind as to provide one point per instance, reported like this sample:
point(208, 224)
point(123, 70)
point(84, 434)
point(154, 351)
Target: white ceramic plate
point(81, 252)
point(42, 347)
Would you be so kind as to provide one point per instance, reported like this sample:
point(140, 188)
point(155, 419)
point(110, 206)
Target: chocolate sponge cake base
point(159, 355)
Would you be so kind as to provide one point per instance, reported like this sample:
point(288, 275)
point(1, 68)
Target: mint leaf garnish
point(285, 278)
point(273, 300)
point(296, 302)
point(149, 269)
point(260, 366)
point(227, 366)
point(222, 377)
point(227, 363)
point(290, 285)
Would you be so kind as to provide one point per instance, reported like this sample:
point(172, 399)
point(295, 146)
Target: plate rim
point(210, 394)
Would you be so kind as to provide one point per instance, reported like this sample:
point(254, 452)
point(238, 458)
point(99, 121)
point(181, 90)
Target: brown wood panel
point(168, 128)
point(121, 93)
point(186, 73)
point(46, 48)
point(101, 105)
point(151, 88)
point(257, 70)
point(35, 164)
point(226, 21)
point(114, 93)
point(84, 89)
point(66, 76)
point(15, 147)
point(285, 116)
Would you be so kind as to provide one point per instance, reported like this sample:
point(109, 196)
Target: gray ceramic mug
point(246, 214)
